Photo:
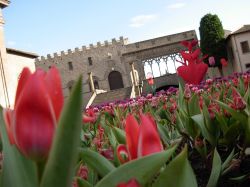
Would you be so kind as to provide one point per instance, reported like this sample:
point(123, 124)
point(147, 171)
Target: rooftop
point(4, 3)
point(21, 53)
point(245, 28)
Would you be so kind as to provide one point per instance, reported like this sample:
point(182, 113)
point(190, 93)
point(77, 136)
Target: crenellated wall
point(105, 57)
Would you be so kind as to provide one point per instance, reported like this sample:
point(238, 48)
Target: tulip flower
point(223, 62)
point(38, 104)
point(193, 69)
point(211, 61)
point(150, 81)
point(131, 183)
point(89, 117)
point(141, 140)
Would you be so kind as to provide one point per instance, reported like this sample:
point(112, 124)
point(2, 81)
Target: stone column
point(4, 96)
point(92, 87)
point(134, 82)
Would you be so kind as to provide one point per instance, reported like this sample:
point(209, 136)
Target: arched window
point(115, 80)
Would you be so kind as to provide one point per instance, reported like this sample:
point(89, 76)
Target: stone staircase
point(113, 95)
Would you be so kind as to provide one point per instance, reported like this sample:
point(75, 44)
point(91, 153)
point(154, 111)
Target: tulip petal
point(149, 140)
point(130, 183)
point(34, 119)
point(25, 74)
point(132, 133)
point(54, 87)
point(122, 150)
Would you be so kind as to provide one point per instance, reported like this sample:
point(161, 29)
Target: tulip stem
point(40, 168)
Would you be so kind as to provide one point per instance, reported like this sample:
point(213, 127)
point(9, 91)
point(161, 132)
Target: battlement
point(84, 49)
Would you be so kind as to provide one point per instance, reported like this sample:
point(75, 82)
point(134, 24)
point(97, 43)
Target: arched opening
point(115, 80)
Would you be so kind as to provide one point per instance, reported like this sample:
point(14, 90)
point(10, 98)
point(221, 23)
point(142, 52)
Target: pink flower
point(141, 140)
point(211, 61)
point(38, 104)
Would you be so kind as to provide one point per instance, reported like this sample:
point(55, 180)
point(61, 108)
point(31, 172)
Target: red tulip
point(89, 117)
point(131, 183)
point(141, 140)
point(193, 69)
point(150, 78)
point(38, 104)
point(150, 81)
point(223, 62)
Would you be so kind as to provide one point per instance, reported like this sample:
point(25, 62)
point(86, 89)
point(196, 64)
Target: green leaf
point(227, 161)
point(96, 161)
point(142, 169)
point(193, 105)
point(181, 101)
point(163, 133)
point(216, 170)
point(17, 170)
point(232, 133)
point(63, 155)
point(178, 173)
point(240, 178)
point(206, 134)
point(83, 183)
point(235, 114)
point(223, 123)
point(119, 134)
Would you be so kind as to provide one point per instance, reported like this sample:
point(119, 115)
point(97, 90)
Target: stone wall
point(105, 58)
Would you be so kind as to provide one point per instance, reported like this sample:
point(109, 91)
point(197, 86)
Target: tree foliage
point(212, 39)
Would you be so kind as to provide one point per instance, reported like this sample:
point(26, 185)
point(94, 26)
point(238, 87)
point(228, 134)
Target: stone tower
point(4, 98)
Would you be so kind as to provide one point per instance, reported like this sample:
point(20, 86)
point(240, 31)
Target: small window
point(70, 65)
point(248, 65)
point(245, 47)
point(96, 85)
point(70, 87)
point(90, 61)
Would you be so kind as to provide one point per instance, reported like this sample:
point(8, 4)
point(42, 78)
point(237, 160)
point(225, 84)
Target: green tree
point(212, 39)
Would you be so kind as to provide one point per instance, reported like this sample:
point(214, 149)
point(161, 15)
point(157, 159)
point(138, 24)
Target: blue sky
point(48, 26)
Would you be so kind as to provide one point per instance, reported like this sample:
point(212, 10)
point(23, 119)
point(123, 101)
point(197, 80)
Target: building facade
point(238, 47)
point(109, 63)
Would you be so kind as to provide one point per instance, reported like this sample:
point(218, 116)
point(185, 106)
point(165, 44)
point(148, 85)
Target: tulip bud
point(223, 62)
point(38, 104)
point(211, 61)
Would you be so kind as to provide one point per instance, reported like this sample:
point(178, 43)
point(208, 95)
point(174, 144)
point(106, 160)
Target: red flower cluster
point(32, 123)
point(193, 69)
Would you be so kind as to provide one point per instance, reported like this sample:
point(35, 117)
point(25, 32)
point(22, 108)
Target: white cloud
point(11, 43)
point(176, 5)
point(141, 20)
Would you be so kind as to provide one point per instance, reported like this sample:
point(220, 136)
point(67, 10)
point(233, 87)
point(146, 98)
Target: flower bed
point(196, 135)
